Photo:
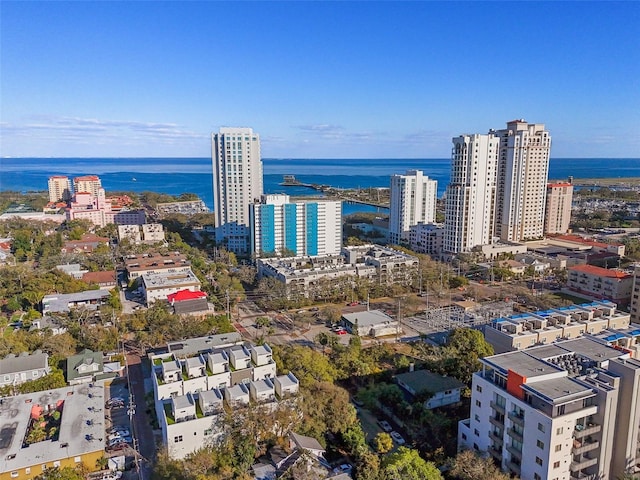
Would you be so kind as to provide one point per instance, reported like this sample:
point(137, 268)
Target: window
point(476, 432)
point(536, 477)
point(558, 447)
point(14, 474)
point(56, 463)
point(478, 403)
point(478, 388)
point(538, 460)
point(27, 470)
point(464, 436)
point(477, 417)
point(77, 459)
point(541, 427)
point(559, 430)
point(556, 464)
point(177, 439)
point(540, 444)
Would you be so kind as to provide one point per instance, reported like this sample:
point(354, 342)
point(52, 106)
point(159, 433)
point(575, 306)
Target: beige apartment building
point(59, 188)
point(523, 170)
point(601, 319)
point(173, 262)
point(602, 283)
point(568, 411)
point(87, 184)
point(634, 306)
point(558, 208)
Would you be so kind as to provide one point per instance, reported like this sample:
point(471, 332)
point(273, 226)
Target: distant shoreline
point(602, 182)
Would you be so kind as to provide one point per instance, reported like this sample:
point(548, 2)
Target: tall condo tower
point(471, 195)
point(59, 188)
point(558, 208)
point(523, 171)
point(304, 227)
point(87, 184)
point(237, 183)
point(413, 201)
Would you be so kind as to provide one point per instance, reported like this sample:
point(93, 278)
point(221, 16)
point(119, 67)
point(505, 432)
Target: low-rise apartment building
point(526, 330)
point(196, 379)
point(64, 302)
point(597, 282)
point(75, 438)
point(565, 411)
point(173, 262)
point(427, 238)
point(158, 286)
point(302, 274)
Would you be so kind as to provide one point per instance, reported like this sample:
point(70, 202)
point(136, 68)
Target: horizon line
point(308, 158)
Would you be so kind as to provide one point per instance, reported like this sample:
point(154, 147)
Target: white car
point(384, 425)
point(397, 438)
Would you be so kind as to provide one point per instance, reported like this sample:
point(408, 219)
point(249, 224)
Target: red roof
point(602, 272)
point(86, 178)
point(183, 295)
point(105, 277)
point(579, 239)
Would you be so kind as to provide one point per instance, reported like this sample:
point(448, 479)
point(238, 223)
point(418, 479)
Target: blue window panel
point(290, 227)
point(312, 229)
point(267, 228)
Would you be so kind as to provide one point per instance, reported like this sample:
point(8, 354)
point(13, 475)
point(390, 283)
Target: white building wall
point(413, 200)
point(470, 196)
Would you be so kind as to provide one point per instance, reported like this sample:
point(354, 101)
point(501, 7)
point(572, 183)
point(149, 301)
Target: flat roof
point(81, 425)
point(210, 397)
point(169, 280)
point(59, 302)
point(559, 390)
point(521, 363)
point(262, 386)
point(237, 391)
point(590, 348)
point(287, 381)
point(368, 319)
point(207, 343)
point(183, 401)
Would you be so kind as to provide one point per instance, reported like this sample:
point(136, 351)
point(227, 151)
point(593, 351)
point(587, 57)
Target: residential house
point(19, 369)
point(435, 390)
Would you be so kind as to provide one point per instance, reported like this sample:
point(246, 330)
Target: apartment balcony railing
point(496, 407)
point(493, 436)
point(582, 464)
point(496, 421)
point(516, 418)
point(514, 467)
point(495, 453)
point(514, 434)
point(582, 431)
point(584, 446)
point(514, 451)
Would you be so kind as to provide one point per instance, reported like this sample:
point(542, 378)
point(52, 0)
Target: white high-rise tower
point(413, 201)
point(471, 195)
point(523, 171)
point(237, 183)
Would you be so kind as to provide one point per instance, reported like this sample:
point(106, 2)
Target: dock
point(333, 193)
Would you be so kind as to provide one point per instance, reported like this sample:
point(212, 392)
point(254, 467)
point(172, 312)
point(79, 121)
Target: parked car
point(384, 425)
point(353, 304)
point(122, 431)
point(117, 446)
point(341, 332)
point(397, 438)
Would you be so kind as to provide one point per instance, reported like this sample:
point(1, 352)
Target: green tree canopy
point(407, 464)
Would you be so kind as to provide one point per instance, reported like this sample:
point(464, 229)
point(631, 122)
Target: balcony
point(496, 421)
point(582, 464)
point(514, 451)
point(514, 467)
point(514, 434)
point(517, 418)
point(495, 453)
point(580, 447)
point(496, 407)
point(582, 431)
point(494, 436)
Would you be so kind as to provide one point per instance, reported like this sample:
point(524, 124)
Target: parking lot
point(118, 432)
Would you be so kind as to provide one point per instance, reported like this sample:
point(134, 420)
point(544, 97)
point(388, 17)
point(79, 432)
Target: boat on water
point(133, 179)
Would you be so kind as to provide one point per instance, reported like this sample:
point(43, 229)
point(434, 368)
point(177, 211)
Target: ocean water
point(179, 175)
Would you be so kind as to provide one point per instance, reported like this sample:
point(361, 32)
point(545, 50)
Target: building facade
point(523, 172)
point(23, 368)
point(304, 227)
point(427, 238)
point(413, 200)
point(565, 411)
point(59, 188)
point(197, 378)
point(87, 184)
point(634, 305)
point(597, 282)
point(237, 183)
point(471, 194)
point(158, 286)
point(558, 208)
point(96, 209)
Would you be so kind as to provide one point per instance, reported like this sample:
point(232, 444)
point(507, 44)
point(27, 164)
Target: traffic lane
point(141, 420)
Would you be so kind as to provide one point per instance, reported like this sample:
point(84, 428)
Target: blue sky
point(315, 79)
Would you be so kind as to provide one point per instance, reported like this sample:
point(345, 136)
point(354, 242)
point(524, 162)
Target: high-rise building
point(87, 184)
point(413, 200)
point(523, 171)
point(304, 227)
point(471, 193)
point(558, 208)
point(59, 188)
point(568, 410)
point(237, 183)
point(634, 306)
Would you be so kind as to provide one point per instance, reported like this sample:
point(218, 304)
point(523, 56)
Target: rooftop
point(602, 272)
point(192, 346)
point(368, 318)
point(59, 302)
point(559, 390)
point(81, 425)
point(168, 280)
point(426, 381)
point(23, 363)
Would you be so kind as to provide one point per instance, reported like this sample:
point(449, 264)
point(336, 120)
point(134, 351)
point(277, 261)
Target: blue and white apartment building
point(305, 227)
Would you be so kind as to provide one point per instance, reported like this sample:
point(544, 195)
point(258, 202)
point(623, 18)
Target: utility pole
point(228, 308)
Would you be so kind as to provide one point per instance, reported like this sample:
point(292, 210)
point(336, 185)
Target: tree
point(383, 442)
point(406, 464)
point(469, 466)
point(57, 473)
